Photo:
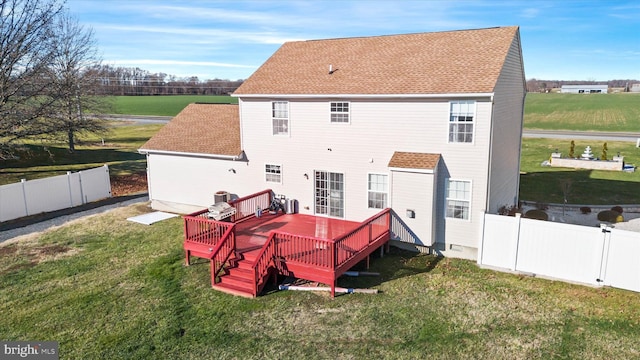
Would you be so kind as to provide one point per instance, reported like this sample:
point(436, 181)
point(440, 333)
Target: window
point(377, 187)
point(273, 173)
point(329, 193)
point(280, 116)
point(458, 199)
point(461, 121)
point(339, 112)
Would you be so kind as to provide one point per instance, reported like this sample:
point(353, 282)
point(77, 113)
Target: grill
point(220, 211)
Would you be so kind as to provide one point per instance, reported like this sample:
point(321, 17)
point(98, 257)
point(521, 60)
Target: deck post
point(187, 260)
point(333, 288)
point(213, 275)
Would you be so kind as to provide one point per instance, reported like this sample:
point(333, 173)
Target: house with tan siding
point(427, 124)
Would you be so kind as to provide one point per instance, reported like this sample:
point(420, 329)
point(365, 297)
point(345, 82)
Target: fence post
point(24, 196)
point(481, 245)
point(82, 199)
point(70, 190)
point(515, 255)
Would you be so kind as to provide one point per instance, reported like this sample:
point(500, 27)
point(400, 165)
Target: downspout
point(489, 159)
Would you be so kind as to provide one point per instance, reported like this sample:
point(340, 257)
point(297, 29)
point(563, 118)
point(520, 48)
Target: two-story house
point(428, 124)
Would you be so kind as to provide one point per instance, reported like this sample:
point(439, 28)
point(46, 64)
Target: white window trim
point(288, 118)
point(387, 192)
point(348, 113)
point(474, 122)
point(446, 199)
point(266, 173)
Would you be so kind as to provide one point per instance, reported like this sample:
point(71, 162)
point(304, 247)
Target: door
point(329, 193)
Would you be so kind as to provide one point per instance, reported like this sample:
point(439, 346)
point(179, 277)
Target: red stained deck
point(251, 234)
point(246, 252)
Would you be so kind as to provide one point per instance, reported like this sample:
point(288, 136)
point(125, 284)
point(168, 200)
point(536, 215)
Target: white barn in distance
point(584, 89)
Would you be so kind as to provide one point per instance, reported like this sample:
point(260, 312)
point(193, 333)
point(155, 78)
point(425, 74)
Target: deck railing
point(264, 261)
point(307, 250)
point(222, 253)
point(198, 228)
point(322, 253)
point(246, 206)
point(354, 241)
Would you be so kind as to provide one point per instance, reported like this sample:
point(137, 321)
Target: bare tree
point(78, 105)
point(26, 51)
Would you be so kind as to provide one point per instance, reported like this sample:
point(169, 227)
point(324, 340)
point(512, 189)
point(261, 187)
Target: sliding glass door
point(329, 193)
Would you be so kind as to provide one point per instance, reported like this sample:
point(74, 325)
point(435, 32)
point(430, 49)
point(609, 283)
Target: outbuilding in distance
point(584, 89)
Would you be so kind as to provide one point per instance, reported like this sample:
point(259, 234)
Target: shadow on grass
point(394, 265)
point(50, 156)
point(584, 187)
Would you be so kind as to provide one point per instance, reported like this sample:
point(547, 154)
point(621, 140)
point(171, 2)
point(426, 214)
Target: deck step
point(242, 272)
point(238, 281)
point(233, 290)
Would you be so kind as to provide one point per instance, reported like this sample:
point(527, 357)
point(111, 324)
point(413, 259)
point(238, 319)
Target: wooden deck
point(245, 253)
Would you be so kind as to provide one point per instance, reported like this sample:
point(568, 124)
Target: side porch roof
point(200, 129)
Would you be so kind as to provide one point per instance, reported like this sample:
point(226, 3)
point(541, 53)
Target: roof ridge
point(404, 34)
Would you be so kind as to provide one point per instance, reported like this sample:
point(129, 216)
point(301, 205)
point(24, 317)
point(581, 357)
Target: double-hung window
point(339, 112)
point(280, 117)
point(273, 173)
point(458, 199)
point(378, 190)
point(461, 116)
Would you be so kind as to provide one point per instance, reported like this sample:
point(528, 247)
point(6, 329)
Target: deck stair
point(239, 277)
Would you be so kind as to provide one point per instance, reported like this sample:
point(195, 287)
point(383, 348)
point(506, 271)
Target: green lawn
point(164, 105)
point(48, 158)
point(592, 112)
point(106, 288)
point(593, 187)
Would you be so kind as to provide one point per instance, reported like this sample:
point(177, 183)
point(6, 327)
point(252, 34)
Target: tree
point(78, 105)
point(26, 51)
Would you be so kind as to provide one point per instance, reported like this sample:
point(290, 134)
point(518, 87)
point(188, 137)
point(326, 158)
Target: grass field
point(106, 288)
point(594, 112)
point(163, 105)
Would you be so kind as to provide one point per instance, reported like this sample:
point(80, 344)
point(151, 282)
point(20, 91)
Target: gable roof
point(414, 160)
point(452, 62)
point(212, 129)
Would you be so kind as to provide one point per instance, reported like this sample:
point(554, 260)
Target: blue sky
point(563, 39)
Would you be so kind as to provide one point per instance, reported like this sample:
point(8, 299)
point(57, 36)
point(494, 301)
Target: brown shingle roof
point(467, 61)
point(413, 160)
point(202, 129)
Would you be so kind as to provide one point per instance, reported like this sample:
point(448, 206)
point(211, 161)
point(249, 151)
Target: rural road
point(550, 134)
point(582, 135)
point(140, 119)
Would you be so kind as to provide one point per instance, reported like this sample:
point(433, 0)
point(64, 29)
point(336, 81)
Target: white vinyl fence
point(589, 255)
point(54, 193)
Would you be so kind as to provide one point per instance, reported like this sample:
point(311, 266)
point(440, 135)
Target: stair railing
point(222, 252)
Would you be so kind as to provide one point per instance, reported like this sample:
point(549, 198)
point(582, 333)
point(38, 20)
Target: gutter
point(177, 153)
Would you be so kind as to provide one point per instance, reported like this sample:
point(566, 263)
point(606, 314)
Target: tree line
point(135, 81)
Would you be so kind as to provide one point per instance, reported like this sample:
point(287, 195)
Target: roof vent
point(331, 71)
